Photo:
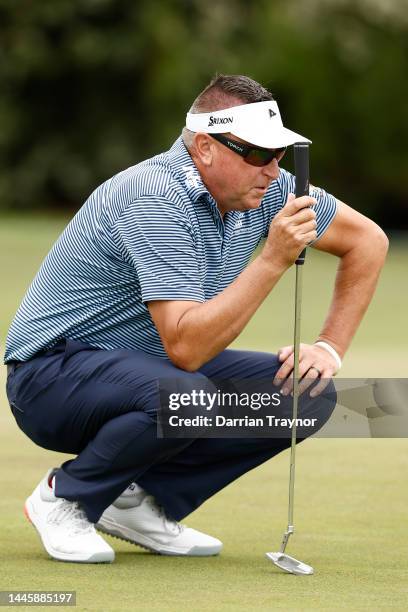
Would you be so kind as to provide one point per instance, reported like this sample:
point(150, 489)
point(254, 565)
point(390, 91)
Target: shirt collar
point(181, 161)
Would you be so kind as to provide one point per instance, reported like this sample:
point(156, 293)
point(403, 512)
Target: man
point(151, 281)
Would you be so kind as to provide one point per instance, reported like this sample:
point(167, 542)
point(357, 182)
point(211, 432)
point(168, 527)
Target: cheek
point(242, 178)
point(230, 177)
point(238, 178)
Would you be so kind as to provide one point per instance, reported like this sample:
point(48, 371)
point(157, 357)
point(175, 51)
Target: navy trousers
point(100, 405)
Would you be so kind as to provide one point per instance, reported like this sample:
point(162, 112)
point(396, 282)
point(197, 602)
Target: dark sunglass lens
point(259, 157)
point(263, 157)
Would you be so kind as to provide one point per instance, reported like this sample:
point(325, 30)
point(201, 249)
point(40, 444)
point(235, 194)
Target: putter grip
point(301, 152)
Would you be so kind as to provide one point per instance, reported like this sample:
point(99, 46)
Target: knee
point(315, 412)
point(185, 391)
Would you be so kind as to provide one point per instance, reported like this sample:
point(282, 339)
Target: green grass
point(24, 242)
point(351, 496)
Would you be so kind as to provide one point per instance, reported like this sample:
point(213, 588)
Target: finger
point(288, 204)
point(284, 371)
point(309, 377)
point(306, 227)
point(287, 387)
point(309, 237)
point(295, 204)
point(320, 387)
point(284, 352)
point(304, 366)
point(304, 379)
point(305, 215)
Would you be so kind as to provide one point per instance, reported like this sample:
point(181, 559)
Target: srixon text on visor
point(218, 120)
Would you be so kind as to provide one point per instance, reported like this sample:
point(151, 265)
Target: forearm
point(356, 280)
point(205, 330)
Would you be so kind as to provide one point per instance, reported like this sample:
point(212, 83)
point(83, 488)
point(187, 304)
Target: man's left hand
point(314, 362)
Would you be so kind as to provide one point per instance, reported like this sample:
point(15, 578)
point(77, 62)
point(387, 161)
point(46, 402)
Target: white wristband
point(330, 350)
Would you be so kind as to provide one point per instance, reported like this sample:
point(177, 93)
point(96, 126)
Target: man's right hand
point(292, 229)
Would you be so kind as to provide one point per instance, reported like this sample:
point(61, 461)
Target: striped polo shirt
point(151, 232)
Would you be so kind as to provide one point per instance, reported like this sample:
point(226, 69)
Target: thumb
point(284, 352)
point(286, 209)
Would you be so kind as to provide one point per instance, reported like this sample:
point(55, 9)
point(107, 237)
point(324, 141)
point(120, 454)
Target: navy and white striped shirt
point(152, 232)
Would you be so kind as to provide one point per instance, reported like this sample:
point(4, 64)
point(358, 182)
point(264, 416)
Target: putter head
point(289, 564)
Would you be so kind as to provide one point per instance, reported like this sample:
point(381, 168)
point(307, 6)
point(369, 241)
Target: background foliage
point(92, 86)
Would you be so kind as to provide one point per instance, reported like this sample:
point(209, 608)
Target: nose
point(271, 170)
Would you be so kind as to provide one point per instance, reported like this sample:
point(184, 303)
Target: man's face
point(235, 184)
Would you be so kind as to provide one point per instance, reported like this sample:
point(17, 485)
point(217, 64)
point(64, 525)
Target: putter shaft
point(296, 347)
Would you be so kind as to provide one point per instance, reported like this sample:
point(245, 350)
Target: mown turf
point(351, 495)
point(350, 519)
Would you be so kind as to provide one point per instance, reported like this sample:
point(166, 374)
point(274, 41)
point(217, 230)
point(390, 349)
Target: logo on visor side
point(219, 120)
point(235, 146)
point(271, 113)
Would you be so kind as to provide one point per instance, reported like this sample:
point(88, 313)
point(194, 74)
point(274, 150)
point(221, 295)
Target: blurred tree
point(92, 86)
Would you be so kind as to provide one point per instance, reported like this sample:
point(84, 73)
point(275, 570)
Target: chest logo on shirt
point(239, 227)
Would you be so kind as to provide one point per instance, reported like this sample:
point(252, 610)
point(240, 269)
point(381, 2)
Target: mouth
point(261, 189)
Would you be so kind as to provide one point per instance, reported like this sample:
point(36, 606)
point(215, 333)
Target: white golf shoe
point(137, 518)
point(65, 531)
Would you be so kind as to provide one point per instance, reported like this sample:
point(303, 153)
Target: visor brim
point(274, 139)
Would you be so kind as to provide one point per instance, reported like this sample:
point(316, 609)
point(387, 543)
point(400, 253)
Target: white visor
point(258, 123)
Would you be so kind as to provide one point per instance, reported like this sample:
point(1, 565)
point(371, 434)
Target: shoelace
point(169, 523)
point(67, 510)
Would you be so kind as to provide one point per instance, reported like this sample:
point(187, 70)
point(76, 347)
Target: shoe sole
point(133, 537)
point(58, 555)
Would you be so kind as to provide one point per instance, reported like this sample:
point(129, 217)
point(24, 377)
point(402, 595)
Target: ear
point(204, 148)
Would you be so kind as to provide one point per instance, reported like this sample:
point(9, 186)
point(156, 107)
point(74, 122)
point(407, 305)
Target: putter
point(281, 559)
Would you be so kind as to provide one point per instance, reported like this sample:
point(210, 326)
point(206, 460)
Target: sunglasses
point(254, 156)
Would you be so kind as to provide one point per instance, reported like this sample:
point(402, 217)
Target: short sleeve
point(157, 237)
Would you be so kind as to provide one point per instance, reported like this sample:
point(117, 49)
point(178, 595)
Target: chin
point(253, 203)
